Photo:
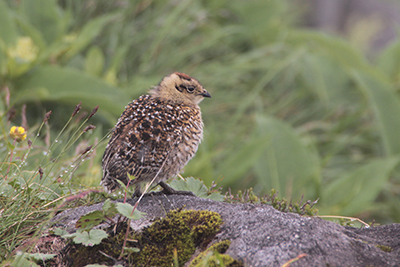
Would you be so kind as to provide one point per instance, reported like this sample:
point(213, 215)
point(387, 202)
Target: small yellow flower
point(25, 50)
point(18, 133)
point(70, 38)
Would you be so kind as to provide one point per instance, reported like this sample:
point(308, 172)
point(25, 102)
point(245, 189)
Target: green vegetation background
point(296, 110)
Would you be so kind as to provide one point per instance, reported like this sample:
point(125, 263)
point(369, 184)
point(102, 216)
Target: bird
point(156, 135)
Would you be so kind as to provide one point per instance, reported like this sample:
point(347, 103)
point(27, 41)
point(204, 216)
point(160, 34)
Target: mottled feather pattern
point(154, 131)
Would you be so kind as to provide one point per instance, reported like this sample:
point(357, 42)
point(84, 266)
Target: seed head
point(47, 117)
point(77, 108)
point(93, 112)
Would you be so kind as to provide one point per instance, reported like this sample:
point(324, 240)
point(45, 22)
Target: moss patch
point(80, 255)
point(214, 255)
point(180, 230)
point(384, 248)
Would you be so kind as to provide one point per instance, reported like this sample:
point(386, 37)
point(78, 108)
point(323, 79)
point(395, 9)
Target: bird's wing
point(142, 139)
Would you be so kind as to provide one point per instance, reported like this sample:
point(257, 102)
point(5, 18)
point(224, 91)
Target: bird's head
point(180, 88)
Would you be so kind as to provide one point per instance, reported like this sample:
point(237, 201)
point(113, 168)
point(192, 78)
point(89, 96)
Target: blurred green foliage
point(292, 109)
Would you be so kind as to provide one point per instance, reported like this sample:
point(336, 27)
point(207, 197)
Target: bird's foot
point(168, 190)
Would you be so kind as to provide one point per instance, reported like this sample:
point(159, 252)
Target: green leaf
point(388, 61)
point(109, 208)
point(69, 235)
point(386, 106)
point(286, 163)
point(333, 47)
point(10, 146)
point(21, 261)
point(28, 29)
point(94, 63)
point(131, 177)
point(71, 86)
point(60, 232)
point(44, 15)
point(324, 78)
point(8, 29)
point(191, 184)
point(122, 184)
point(241, 158)
point(126, 210)
point(91, 238)
point(88, 33)
point(39, 256)
point(216, 196)
point(90, 220)
point(195, 186)
point(107, 205)
point(355, 192)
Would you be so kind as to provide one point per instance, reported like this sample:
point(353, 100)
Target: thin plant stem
point(11, 156)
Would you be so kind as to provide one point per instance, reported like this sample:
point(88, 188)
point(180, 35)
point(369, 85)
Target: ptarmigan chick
point(156, 135)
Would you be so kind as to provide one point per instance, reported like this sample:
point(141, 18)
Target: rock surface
point(263, 236)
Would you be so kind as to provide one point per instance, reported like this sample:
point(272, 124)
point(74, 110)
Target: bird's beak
point(206, 94)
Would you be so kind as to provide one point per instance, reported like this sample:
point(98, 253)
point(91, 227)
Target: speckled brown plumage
point(157, 133)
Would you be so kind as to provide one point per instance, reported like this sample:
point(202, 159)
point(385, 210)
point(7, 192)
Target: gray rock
point(263, 236)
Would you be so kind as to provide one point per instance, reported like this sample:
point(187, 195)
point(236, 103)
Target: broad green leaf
point(94, 62)
point(118, 59)
point(195, 186)
point(69, 235)
point(324, 78)
point(3, 63)
point(241, 159)
point(356, 191)
point(191, 184)
point(109, 208)
point(90, 220)
point(91, 238)
point(39, 256)
point(88, 33)
point(71, 86)
point(333, 47)
point(8, 29)
point(60, 232)
point(126, 210)
point(21, 261)
point(269, 75)
point(216, 196)
point(29, 30)
point(389, 60)
point(286, 164)
point(45, 16)
point(386, 106)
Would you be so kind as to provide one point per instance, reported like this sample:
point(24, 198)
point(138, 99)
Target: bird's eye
point(190, 89)
point(180, 88)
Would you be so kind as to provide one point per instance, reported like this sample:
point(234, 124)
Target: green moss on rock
point(80, 255)
point(213, 257)
point(384, 248)
point(180, 230)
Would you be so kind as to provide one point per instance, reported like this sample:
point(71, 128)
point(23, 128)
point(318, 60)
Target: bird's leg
point(170, 191)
